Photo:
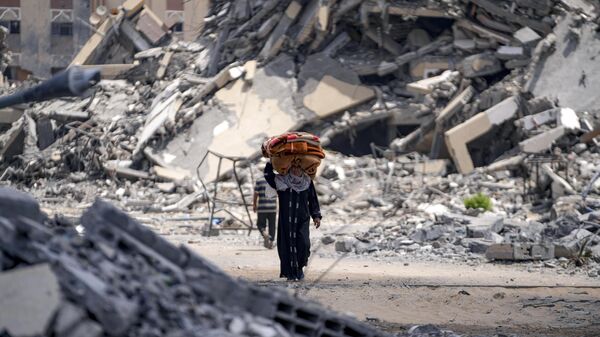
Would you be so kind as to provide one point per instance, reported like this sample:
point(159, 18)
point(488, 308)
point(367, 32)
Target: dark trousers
point(263, 219)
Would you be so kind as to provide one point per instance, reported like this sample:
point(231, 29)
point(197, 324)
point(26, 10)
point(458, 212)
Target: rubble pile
point(418, 211)
point(121, 279)
point(460, 93)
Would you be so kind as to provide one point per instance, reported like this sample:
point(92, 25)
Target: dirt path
point(486, 299)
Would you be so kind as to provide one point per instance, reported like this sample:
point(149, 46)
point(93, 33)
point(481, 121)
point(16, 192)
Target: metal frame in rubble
point(212, 201)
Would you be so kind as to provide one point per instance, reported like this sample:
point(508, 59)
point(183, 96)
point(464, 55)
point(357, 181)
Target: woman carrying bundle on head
point(298, 201)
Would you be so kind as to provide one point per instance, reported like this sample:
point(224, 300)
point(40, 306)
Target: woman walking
point(298, 203)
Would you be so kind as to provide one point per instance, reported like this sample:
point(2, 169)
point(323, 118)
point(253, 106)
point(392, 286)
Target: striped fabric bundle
point(294, 149)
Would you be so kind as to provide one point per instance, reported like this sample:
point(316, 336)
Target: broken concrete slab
point(425, 86)
point(520, 252)
point(326, 87)
point(246, 113)
point(543, 141)
point(458, 137)
point(33, 296)
point(480, 65)
point(527, 36)
point(10, 115)
point(332, 95)
point(151, 26)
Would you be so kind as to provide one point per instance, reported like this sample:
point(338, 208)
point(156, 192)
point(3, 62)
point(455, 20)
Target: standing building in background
point(44, 35)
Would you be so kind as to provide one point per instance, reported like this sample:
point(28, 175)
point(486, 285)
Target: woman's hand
point(317, 222)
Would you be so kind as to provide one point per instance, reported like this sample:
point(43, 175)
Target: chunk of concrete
point(527, 36)
point(151, 27)
point(170, 173)
point(458, 137)
point(543, 141)
point(332, 96)
point(533, 121)
point(480, 65)
point(425, 86)
point(509, 53)
point(86, 329)
point(436, 167)
point(66, 319)
point(568, 118)
point(482, 225)
point(29, 299)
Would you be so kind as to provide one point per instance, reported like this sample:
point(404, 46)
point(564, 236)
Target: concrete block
point(480, 65)
point(151, 27)
point(543, 141)
point(477, 246)
point(509, 53)
point(29, 299)
point(527, 36)
point(569, 119)
point(502, 251)
point(480, 226)
point(458, 137)
point(14, 203)
point(68, 316)
point(425, 86)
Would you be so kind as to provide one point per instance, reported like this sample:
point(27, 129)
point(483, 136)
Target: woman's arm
point(313, 203)
point(270, 175)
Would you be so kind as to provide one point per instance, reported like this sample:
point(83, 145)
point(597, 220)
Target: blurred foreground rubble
point(121, 279)
point(425, 103)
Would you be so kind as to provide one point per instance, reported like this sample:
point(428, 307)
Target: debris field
point(459, 131)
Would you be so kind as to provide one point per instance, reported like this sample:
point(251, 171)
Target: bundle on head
point(300, 149)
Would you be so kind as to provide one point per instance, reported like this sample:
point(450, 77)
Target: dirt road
point(487, 299)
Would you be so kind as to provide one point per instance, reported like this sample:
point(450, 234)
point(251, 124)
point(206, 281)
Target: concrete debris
point(138, 284)
point(422, 106)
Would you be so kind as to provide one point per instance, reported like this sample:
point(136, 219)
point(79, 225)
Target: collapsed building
point(435, 101)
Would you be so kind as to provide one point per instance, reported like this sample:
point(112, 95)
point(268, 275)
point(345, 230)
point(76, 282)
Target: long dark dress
point(295, 211)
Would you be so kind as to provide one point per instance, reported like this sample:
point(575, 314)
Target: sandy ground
point(487, 299)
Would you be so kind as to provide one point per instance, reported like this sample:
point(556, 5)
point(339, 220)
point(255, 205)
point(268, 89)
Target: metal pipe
point(73, 81)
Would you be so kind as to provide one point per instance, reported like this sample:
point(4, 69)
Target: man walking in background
point(265, 206)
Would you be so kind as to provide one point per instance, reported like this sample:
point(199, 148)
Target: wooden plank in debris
point(164, 64)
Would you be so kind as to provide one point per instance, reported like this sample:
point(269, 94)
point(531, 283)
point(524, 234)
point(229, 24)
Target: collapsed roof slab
point(572, 73)
point(248, 113)
point(458, 137)
point(327, 87)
